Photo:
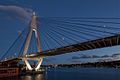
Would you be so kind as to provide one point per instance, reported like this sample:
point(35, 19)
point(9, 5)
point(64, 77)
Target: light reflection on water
point(35, 77)
point(26, 77)
point(39, 77)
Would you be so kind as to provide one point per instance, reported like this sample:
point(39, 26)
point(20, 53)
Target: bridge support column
point(32, 28)
point(39, 64)
point(28, 65)
point(36, 68)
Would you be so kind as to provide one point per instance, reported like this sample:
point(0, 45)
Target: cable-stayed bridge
point(50, 36)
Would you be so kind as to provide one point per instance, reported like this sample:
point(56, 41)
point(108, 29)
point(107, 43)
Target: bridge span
point(94, 44)
point(101, 42)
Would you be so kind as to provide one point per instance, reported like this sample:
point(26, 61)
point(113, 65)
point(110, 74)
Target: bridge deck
point(89, 45)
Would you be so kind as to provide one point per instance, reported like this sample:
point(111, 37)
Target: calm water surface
point(73, 74)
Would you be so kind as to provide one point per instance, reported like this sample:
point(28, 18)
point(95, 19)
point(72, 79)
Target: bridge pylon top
point(34, 14)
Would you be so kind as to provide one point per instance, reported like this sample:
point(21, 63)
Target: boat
point(8, 72)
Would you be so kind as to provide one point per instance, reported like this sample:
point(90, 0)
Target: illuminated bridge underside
point(89, 45)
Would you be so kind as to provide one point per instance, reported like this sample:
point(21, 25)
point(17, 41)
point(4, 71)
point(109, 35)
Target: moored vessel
point(7, 72)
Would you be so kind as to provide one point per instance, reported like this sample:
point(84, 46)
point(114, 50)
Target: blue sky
point(9, 26)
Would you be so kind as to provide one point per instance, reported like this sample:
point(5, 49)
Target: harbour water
point(73, 74)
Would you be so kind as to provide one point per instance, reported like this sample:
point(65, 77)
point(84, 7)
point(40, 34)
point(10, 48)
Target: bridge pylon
point(32, 29)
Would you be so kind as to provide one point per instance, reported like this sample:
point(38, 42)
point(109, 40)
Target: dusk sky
point(13, 21)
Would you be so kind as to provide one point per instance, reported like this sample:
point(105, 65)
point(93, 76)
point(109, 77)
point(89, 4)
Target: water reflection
point(33, 77)
point(10, 78)
point(26, 77)
point(39, 77)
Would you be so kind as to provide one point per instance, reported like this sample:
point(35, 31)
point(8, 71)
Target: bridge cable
point(68, 23)
point(11, 45)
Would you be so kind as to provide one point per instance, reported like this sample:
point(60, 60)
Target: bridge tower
point(32, 29)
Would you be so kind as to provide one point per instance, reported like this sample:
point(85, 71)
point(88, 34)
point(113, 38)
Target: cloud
point(17, 11)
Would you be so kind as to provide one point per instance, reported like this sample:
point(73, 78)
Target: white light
point(33, 13)
point(104, 26)
point(63, 38)
point(34, 29)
